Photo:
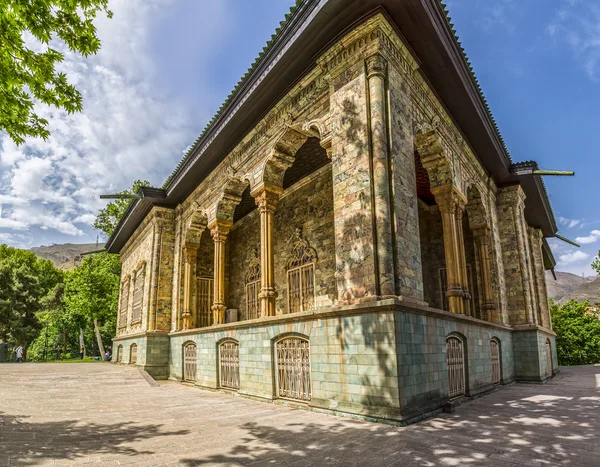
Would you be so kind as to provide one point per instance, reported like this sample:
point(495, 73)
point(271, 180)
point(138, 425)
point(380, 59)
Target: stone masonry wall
point(353, 204)
point(513, 240)
point(409, 275)
point(422, 365)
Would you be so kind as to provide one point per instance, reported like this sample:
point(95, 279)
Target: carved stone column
point(481, 237)
point(464, 276)
point(452, 204)
point(219, 231)
point(266, 199)
point(376, 77)
point(190, 255)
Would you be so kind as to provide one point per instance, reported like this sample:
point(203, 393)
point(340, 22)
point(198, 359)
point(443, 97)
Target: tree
point(109, 217)
point(24, 281)
point(28, 71)
point(92, 292)
point(577, 330)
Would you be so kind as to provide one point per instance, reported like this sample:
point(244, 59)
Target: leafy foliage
point(29, 30)
point(577, 328)
point(25, 281)
point(109, 217)
point(90, 291)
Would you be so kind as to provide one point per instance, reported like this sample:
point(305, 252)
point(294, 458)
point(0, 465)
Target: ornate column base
point(267, 302)
point(218, 313)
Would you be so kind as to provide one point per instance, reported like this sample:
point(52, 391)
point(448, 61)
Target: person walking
point(57, 350)
point(19, 353)
point(81, 351)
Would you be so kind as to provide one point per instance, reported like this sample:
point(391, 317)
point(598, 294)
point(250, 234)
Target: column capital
point(481, 232)
point(219, 229)
point(266, 197)
point(449, 199)
point(376, 66)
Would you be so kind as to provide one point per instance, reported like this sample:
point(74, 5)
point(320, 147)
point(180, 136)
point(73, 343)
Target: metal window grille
point(229, 365)
point(548, 358)
point(495, 349)
point(205, 288)
point(124, 303)
point(133, 353)
point(301, 277)
point(301, 286)
point(189, 362)
point(138, 296)
point(456, 366)
point(293, 369)
point(119, 354)
point(253, 289)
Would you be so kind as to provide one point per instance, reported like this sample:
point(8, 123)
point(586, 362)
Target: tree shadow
point(542, 426)
point(25, 443)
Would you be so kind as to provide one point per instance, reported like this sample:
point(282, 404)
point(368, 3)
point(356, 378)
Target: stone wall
point(380, 360)
point(409, 274)
point(423, 369)
point(353, 209)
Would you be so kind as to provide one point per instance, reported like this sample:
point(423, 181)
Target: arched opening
point(229, 364)
point(293, 368)
point(433, 257)
point(305, 205)
point(189, 362)
point(133, 354)
point(120, 354)
point(304, 222)
point(204, 287)
point(496, 361)
point(310, 157)
point(455, 357)
point(548, 358)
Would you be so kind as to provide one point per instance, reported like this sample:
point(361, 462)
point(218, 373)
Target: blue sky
point(167, 65)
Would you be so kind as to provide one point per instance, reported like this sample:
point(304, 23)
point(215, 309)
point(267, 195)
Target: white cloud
point(129, 128)
point(569, 222)
point(593, 237)
point(572, 258)
point(577, 24)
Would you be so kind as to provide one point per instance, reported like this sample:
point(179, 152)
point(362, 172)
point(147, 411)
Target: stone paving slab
point(108, 415)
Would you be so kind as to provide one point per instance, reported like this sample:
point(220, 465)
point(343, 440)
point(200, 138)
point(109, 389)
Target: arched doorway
point(189, 362)
point(496, 369)
point(455, 355)
point(293, 368)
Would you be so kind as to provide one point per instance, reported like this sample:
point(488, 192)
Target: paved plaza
point(101, 414)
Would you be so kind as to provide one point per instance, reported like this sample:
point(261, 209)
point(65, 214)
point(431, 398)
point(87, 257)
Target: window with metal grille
point(124, 303)
point(301, 277)
point(253, 289)
point(119, 354)
point(138, 295)
point(455, 356)
point(444, 288)
point(205, 293)
point(189, 362)
point(293, 368)
point(133, 353)
point(495, 350)
point(229, 365)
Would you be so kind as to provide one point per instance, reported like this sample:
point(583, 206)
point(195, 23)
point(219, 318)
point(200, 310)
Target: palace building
point(349, 232)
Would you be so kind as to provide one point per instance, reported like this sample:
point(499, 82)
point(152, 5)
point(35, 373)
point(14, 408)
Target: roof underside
point(315, 25)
